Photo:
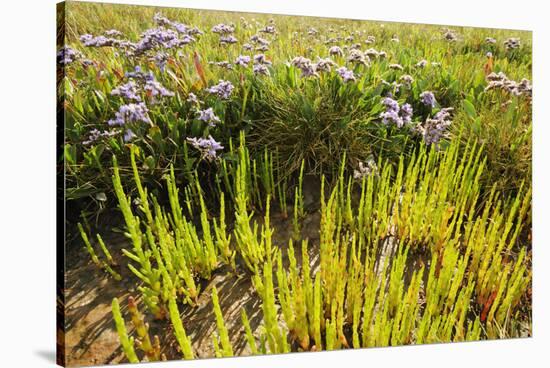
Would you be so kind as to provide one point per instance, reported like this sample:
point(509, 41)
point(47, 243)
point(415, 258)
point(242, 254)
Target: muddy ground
point(90, 334)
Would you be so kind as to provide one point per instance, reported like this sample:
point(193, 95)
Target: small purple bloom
point(242, 60)
point(428, 99)
point(209, 117)
point(129, 135)
point(346, 74)
point(130, 113)
point(128, 91)
point(207, 147)
point(223, 89)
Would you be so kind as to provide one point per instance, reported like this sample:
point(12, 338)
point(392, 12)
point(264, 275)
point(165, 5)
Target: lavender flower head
point(261, 59)
point(260, 69)
point(223, 29)
point(208, 117)
point(357, 56)
point(242, 60)
point(113, 33)
point(207, 146)
point(434, 129)
point(395, 114)
point(512, 43)
point(192, 98)
point(128, 135)
point(229, 39)
point(154, 90)
point(128, 91)
point(366, 169)
point(336, 50)
point(95, 135)
point(223, 89)
point(346, 74)
point(130, 113)
point(324, 65)
point(67, 55)
point(428, 99)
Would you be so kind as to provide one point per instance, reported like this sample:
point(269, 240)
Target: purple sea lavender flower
point(207, 146)
point(434, 129)
point(222, 64)
point(336, 50)
point(248, 47)
point(223, 89)
point(262, 48)
point(192, 98)
point(128, 91)
point(113, 33)
point(223, 29)
point(260, 69)
point(130, 113)
point(366, 169)
point(512, 43)
point(154, 90)
point(357, 56)
point(324, 65)
point(229, 39)
point(161, 59)
point(139, 75)
point(395, 67)
point(407, 79)
point(67, 55)
point(95, 135)
point(346, 74)
point(208, 117)
point(261, 59)
point(129, 135)
point(428, 99)
point(395, 114)
point(242, 60)
point(490, 40)
point(268, 29)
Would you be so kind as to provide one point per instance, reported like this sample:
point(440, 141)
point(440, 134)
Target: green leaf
point(469, 108)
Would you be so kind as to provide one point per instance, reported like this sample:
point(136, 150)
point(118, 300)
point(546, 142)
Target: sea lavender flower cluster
point(129, 135)
point(260, 69)
point(208, 117)
point(227, 39)
point(222, 64)
point(395, 114)
point(501, 81)
point(146, 82)
point(248, 47)
point(207, 146)
point(373, 53)
point(113, 33)
point(366, 169)
point(96, 135)
point(428, 99)
point(336, 51)
point(154, 90)
point(490, 40)
point(370, 40)
point(312, 31)
point(270, 29)
point(261, 59)
point(512, 43)
point(223, 29)
point(305, 65)
point(395, 66)
point(449, 35)
point(324, 65)
point(436, 128)
point(358, 57)
point(421, 64)
point(67, 55)
point(223, 89)
point(346, 74)
point(193, 99)
point(242, 60)
point(139, 75)
point(130, 113)
point(160, 59)
point(128, 91)
point(407, 79)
